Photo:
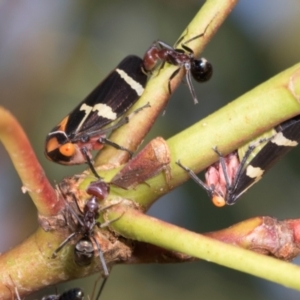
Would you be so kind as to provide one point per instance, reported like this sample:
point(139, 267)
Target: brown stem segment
point(29, 169)
point(265, 235)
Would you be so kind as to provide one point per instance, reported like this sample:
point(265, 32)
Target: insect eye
point(218, 201)
point(67, 149)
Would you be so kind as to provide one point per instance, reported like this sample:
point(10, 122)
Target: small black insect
point(84, 248)
point(234, 174)
point(200, 69)
point(72, 294)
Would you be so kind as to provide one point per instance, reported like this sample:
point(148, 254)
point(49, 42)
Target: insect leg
point(101, 288)
point(189, 83)
point(194, 177)
point(101, 257)
point(170, 79)
point(121, 122)
point(89, 162)
point(69, 238)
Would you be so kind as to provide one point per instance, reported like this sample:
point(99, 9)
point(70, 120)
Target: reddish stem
point(29, 169)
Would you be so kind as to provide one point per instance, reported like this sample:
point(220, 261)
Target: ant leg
point(181, 38)
point(69, 238)
point(197, 36)
point(201, 34)
point(70, 208)
point(107, 223)
point(187, 49)
point(170, 79)
point(15, 289)
point(190, 85)
point(101, 288)
point(101, 257)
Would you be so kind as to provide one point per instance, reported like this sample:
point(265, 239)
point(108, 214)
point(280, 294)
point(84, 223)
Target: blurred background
point(53, 53)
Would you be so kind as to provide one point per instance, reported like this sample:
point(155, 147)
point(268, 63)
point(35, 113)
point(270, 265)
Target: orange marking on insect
point(62, 125)
point(52, 144)
point(67, 149)
point(218, 201)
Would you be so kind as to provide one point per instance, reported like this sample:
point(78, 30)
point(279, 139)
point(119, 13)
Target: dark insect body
point(86, 127)
point(84, 247)
point(72, 294)
point(234, 174)
point(200, 69)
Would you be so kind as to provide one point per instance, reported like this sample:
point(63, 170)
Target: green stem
point(143, 228)
point(211, 14)
point(240, 121)
point(230, 127)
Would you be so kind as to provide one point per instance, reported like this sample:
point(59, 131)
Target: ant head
point(99, 189)
point(201, 69)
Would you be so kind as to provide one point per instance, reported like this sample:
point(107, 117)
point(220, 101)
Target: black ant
point(84, 248)
point(72, 294)
point(200, 69)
